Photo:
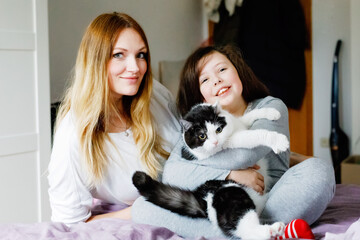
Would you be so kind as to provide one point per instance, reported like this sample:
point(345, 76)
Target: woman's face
point(128, 64)
point(220, 82)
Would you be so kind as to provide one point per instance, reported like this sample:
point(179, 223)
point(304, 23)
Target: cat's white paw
point(272, 114)
point(277, 229)
point(280, 143)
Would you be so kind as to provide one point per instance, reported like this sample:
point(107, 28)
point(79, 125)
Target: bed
point(342, 212)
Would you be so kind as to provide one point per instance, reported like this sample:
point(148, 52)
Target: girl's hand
point(248, 177)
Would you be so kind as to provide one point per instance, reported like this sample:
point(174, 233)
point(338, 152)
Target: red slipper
point(297, 228)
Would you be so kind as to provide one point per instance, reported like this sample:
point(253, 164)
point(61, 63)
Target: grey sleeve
point(187, 174)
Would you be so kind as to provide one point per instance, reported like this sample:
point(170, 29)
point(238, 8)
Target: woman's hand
point(122, 214)
point(248, 177)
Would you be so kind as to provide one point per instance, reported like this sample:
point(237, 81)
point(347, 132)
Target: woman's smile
point(130, 79)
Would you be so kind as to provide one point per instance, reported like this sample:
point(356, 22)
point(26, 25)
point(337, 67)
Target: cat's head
point(205, 129)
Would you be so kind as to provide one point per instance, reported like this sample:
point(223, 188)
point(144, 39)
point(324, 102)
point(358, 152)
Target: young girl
point(220, 74)
point(113, 121)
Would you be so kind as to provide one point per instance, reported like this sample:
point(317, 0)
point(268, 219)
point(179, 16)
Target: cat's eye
point(219, 130)
point(202, 136)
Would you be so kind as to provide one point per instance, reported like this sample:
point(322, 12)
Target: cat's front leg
point(253, 138)
point(249, 227)
point(277, 229)
point(265, 113)
point(277, 142)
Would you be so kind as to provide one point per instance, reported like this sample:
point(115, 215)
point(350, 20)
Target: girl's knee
point(319, 175)
point(315, 168)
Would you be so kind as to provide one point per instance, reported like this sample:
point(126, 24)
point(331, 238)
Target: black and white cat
point(234, 208)
point(208, 129)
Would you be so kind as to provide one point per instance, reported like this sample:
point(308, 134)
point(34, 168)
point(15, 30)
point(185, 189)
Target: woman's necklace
point(126, 133)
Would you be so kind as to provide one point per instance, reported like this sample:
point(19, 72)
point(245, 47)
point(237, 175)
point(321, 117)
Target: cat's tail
point(183, 202)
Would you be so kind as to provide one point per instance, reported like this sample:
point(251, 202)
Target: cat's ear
point(185, 124)
point(217, 107)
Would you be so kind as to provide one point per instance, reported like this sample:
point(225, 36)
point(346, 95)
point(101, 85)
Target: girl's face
point(128, 64)
point(220, 82)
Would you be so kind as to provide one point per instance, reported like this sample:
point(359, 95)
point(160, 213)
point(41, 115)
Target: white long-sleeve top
point(70, 199)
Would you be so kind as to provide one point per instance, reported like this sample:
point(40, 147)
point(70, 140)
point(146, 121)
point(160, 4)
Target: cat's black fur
point(198, 116)
point(230, 202)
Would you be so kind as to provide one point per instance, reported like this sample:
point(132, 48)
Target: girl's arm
point(186, 174)
point(248, 177)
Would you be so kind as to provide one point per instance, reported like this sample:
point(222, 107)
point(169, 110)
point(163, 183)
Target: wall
point(25, 113)
point(173, 28)
point(355, 74)
point(333, 20)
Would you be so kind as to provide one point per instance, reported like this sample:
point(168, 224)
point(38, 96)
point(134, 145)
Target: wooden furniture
point(301, 121)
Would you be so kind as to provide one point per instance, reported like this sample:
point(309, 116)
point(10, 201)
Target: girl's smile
point(219, 82)
point(223, 91)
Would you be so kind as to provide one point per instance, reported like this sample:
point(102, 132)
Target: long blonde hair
point(89, 100)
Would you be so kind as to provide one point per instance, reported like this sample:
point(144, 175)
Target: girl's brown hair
point(189, 90)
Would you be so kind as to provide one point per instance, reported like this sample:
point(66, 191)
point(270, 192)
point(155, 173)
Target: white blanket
point(353, 233)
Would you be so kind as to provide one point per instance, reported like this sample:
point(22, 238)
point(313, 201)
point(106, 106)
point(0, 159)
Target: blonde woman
point(108, 125)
